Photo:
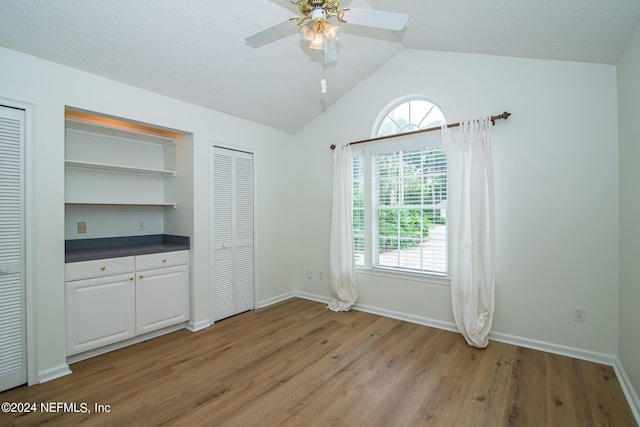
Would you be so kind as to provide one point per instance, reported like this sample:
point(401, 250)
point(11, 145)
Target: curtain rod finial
point(503, 116)
point(332, 146)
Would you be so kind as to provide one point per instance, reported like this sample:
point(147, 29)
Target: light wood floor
point(298, 364)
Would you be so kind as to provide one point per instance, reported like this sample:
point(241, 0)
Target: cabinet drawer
point(98, 268)
point(163, 259)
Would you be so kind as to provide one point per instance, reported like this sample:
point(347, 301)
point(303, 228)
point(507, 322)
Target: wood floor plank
point(527, 405)
point(297, 363)
point(462, 362)
point(567, 400)
point(419, 381)
point(600, 381)
point(356, 380)
point(488, 392)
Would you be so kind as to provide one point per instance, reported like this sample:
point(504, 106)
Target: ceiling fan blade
point(271, 34)
point(376, 18)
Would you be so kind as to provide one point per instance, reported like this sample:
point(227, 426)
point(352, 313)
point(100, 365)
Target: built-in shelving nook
point(123, 178)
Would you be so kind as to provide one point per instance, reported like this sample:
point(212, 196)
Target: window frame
point(367, 152)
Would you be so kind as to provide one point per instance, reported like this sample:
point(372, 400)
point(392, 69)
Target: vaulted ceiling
point(195, 50)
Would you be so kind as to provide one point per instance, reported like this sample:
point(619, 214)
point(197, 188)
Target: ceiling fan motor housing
point(309, 8)
point(318, 14)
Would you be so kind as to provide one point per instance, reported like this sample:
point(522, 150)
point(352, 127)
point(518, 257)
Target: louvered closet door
point(243, 231)
point(232, 224)
point(13, 355)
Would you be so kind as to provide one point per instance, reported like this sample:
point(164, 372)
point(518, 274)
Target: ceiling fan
point(315, 26)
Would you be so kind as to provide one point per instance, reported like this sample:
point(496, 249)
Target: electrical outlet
point(82, 227)
point(141, 225)
point(320, 275)
point(579, 314)
point(309, 274)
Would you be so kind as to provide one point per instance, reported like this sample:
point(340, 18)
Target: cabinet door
point(100, 311)
point(162, 298)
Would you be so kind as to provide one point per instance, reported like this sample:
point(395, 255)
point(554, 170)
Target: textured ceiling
point(195, 51)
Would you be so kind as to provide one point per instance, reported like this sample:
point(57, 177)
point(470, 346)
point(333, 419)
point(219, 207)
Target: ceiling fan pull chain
point(323, 82)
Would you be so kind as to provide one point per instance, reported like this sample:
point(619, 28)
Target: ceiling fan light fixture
point(332, 32)
point(321, 35)
point(317, 43)
point(308, 31)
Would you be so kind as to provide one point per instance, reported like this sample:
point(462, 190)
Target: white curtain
point(471, 221)
point(341, 256)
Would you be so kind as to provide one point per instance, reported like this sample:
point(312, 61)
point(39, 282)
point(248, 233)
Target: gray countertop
point(113, 247)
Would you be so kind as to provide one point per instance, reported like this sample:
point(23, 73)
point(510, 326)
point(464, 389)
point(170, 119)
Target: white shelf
point(78, 203)
point(113, 167)
point(118, 168)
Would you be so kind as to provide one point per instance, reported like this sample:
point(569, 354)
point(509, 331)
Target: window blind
point(358, 209)
point(410, 193)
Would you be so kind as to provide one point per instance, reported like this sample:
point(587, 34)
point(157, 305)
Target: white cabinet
point(162, 290)
point(100, 303)
point(107, 166)
point(116, 299)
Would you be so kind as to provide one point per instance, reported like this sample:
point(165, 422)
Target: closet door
point(243, 231)
point(233, 233)
point(13, 355)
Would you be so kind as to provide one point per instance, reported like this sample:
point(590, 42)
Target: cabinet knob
point(4, 270)
point(131, 278)
point(103, 268)
point(164, 260)
point(141, 276)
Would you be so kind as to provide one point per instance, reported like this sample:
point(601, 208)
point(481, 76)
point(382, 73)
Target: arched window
point(399, 215)
point(408, 114)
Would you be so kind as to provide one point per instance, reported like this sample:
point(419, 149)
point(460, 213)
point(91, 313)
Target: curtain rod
point(503, 116)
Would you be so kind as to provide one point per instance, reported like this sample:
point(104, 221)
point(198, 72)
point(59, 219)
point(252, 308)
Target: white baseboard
point(562, 350)
point(425, 321)
point(198, 326)
point(274, 300)
point(115, 346)
point(53, 373)
point(627, 389)
point(577, 353)
point(312, 297)
point(386, 313)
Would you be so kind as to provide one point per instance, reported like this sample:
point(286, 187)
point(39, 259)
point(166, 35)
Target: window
point(358, 209)
point(400, 193)
point(409, 115)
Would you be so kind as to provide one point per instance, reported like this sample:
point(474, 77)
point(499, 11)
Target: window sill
point(431, 279)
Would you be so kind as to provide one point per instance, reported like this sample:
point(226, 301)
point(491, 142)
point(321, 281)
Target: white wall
point(556, 172)
point(49, 88)
point(629, 125)
point(556, 165)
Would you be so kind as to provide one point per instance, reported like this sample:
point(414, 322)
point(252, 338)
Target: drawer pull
point(103, 268)
point(131, 278)
point(164, 260)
